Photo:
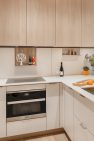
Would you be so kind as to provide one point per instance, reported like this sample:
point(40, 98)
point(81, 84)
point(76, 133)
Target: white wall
point(48, 62)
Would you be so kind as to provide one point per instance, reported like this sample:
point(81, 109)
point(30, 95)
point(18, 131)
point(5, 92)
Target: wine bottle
point(61, 70)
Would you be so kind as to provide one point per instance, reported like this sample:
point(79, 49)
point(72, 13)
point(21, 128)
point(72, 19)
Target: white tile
point(44, 61)
point(56, 59)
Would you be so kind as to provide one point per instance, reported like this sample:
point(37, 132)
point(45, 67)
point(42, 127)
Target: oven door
point(26, 109)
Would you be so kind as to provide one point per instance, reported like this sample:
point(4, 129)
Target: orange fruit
point(85, 72)
point(90, 82)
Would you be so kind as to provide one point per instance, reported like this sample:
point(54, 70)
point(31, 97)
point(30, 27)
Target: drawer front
point(84, 110)
point(26, 87)
point(26, 126)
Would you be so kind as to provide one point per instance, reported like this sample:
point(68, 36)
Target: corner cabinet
point(41, 22)
point(12, 22)
point(88, 23)
point(52, 95)
point(68, 23)
point(2, 112)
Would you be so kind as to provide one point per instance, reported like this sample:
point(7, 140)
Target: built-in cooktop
point(21, 80)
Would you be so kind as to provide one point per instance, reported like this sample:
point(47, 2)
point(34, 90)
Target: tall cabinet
point(12, 22)
point(41, 22)
point(88, 23)
point(68, 111)
point(68, 23)
point(52, 96)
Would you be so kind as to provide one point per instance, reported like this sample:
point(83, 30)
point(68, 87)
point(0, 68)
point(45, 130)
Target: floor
point(60, 137)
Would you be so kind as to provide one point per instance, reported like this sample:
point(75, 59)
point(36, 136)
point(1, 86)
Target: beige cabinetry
point(68, 23)
point(83, 119)
point(84, 111)
point(2, 112)
point(88, 23)
point(52, 96)
point(40, 22)
point(80, 132)
point(12, 22)
point(68, 111)
point(61, 106)
point(26, 126)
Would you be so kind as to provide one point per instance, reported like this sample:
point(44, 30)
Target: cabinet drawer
point(26, 87)
point(26, 126)
point(84, 110)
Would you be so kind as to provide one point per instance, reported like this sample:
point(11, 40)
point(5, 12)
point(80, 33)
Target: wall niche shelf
point(25, 56)
point(71, 51)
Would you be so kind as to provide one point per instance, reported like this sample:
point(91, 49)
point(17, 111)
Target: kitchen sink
point(21, 80)
point(89, 89)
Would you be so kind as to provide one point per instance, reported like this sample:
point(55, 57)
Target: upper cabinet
point(88, 23)
point(41, 22)
point(59, 23)
point(12, 22)
point(68, 23)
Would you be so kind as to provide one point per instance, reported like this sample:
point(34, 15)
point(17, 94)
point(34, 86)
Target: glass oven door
point(29, 105)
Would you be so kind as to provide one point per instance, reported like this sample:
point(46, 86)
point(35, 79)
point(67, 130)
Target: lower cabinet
point(2, 112)
point(51, 121)
point(68, 111)
point(26, 126)
point(80, 132)
point(52, 95)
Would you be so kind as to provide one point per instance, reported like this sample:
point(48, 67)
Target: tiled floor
point(60, 137)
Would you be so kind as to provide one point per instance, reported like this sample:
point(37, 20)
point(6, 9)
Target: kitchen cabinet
point(2, 112)
point(12, 22)
point(61, 106)
point(26, 126)
point(68, 111)
point(40, 22)
point(84, 111)
point(80, 132)
point(88, 23)
point(68, 23)
point(52, 94)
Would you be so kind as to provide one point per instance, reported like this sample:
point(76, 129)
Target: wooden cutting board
point(80, 83)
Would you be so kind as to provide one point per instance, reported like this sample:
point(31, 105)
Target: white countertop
point(67, 80)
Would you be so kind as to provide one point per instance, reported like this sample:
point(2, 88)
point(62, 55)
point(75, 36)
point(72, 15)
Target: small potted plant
point(85, 70)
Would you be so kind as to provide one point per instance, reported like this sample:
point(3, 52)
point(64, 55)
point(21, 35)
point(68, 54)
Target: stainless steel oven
point(23, 105)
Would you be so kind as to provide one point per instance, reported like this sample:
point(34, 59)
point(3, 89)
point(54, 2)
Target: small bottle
point(61, 70)
point(30, 60)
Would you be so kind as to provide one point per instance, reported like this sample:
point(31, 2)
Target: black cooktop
point(21, 80)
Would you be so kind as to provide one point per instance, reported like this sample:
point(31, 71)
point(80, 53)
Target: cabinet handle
point(83, 126)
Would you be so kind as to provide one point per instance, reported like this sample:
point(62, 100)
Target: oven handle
point(26, 101)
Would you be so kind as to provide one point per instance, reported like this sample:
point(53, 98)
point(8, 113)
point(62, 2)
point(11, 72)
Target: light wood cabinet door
point(68, 23)
point(52, 99)
point(12, 22)
point(40, 22)
point(88, 23)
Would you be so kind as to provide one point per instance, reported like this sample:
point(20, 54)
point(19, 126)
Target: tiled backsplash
point(48, 62)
